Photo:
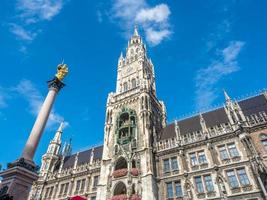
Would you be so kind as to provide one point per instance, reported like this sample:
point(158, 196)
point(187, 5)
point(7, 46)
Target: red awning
point(77, 198)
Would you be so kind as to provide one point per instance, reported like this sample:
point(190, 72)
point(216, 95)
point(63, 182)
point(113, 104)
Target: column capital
point(55, 84)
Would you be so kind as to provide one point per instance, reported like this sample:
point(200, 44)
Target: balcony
point(124, 197)
point(119, 197)
point(120, 173)
point(134, 172)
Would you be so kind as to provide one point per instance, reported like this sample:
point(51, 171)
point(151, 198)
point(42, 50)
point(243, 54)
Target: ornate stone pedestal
point(18, 179)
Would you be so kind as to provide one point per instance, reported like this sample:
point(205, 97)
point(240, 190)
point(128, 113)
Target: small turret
point(52, 154)
point(135, 31)
point(203, 124)
point(233, 110)
point(66, 151)
point(57, 137)
point(226, 96)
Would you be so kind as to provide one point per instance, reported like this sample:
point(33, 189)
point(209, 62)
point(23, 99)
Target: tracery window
point(199, 184)
point(170, 164)
point(238, 176)
point(169, 190)
point(201, 180)
point(232, 179)
point(197, 158)
point(174, 189)
point(208, 183)
point(228, 151)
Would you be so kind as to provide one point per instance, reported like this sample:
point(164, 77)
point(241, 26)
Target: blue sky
point(198, 49)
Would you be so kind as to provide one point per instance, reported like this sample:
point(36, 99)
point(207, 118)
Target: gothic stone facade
point(220, 154)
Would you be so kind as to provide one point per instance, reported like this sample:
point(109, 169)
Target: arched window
point(120, 189)
point(263, 138)
point(125, 86)
point(133, 83)
point(121, 164)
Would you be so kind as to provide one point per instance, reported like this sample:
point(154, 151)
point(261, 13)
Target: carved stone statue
point(62, 71)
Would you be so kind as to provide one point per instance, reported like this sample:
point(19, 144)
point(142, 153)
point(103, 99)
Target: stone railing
point(124, 197)
point(119, 197)
point(167, 144)
point(120, 173)
point(220, 131)
point(190, 138)
point(257, 119)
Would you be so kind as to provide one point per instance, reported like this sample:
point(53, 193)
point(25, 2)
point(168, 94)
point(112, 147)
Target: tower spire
point(57, 137)
point(136, 31)
point(227, 97)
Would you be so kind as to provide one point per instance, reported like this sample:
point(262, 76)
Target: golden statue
point(62, 71)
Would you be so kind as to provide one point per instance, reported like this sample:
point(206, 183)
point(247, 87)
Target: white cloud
point(22, 33)
point(155, 37)
point(207, 78)
point(231, 52)
point(28, 91)
point(32, 11)
point(154, 20)
point(159, 13)
point(3, 98)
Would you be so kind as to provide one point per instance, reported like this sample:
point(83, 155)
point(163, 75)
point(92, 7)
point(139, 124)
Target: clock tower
point(134, 117)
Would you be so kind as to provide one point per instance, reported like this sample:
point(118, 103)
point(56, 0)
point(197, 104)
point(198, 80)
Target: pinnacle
point(136, 31)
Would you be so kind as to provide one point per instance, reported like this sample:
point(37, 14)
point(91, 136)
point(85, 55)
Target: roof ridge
point(219, 105)
point(90, 147)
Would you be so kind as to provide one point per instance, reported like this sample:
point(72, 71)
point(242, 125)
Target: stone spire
point(51, 156)
point(66, 151)
point(135, 31)
point(227, 97)
point(203, 124)
point(57, 137)
point(233, 110)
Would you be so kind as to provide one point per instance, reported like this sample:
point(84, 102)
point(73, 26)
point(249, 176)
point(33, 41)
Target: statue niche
point(126, 126)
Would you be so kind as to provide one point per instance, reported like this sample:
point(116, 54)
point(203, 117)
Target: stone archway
point(120, 189)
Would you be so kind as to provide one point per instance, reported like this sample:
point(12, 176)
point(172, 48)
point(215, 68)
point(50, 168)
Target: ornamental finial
point(62, 71)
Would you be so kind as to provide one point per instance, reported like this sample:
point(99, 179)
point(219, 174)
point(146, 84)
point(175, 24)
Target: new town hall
point(220, 154)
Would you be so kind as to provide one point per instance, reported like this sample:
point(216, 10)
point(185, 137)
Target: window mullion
point(228, 152)
point(204, 184)
point(237, 177)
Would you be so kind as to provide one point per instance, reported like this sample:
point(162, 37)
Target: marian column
point(54, 86)
point(19, 176)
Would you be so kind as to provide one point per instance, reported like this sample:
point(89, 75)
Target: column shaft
point(39, 125)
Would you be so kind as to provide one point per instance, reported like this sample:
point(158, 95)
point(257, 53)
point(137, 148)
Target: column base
point(18, 179)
